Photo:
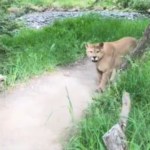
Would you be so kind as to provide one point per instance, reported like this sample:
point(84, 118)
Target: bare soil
point(35, 115)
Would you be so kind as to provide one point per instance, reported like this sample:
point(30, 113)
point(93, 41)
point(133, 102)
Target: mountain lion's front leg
point(113, 75)
point(105, 78)
point(99, 75)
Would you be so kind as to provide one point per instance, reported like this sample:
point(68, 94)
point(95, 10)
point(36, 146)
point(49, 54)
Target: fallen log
point(115, 138)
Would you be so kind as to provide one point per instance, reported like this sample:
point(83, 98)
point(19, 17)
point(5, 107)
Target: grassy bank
point(62, 3)
point(104, 112)
point(32, 52)
point(142, 5)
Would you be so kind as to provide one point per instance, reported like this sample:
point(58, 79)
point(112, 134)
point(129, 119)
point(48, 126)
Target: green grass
point(32, 52)
point(105, 109)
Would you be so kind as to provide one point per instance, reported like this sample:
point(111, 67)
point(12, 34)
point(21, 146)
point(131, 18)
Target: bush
point(123, 3)
point(141, 5)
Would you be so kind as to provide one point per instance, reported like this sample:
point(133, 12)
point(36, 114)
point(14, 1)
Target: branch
point(115, 138)
point(126, 105)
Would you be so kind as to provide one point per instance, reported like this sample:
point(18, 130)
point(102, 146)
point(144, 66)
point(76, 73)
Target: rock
point(41, 19)
point(148, 10)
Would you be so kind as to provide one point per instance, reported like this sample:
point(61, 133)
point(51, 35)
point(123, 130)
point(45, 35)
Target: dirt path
point(35, 115)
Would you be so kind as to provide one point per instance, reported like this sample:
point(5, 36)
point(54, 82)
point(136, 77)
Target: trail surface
point(35, 115)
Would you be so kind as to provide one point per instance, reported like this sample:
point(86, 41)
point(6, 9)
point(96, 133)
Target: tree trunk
point(142, 46)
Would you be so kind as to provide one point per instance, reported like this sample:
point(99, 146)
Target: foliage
point(142, 5)
point(60, 3)
point(6, 27)
point(123, 3)
point(60, 44)
point(133, 4)
point(105, 109)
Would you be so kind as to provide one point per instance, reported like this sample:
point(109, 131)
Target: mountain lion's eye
point(97, 52)
point(91, 51)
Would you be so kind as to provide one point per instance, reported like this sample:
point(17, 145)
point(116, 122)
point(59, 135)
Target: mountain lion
point(108, 57)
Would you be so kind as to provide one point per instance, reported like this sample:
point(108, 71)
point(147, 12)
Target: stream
point(40, 19)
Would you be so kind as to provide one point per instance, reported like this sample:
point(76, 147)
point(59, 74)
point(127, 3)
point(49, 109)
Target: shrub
point(141, 5)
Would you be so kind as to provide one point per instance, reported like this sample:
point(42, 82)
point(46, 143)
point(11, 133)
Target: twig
point(70, 104)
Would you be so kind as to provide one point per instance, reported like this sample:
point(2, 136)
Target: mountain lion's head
point(94, 51)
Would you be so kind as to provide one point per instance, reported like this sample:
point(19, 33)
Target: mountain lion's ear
point(101, 45)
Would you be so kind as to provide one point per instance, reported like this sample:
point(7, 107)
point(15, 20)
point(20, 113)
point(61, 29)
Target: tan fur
point(108, 57)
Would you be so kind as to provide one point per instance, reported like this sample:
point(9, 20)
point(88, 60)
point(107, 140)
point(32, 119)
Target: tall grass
point(31, 52)
point(104, 112)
